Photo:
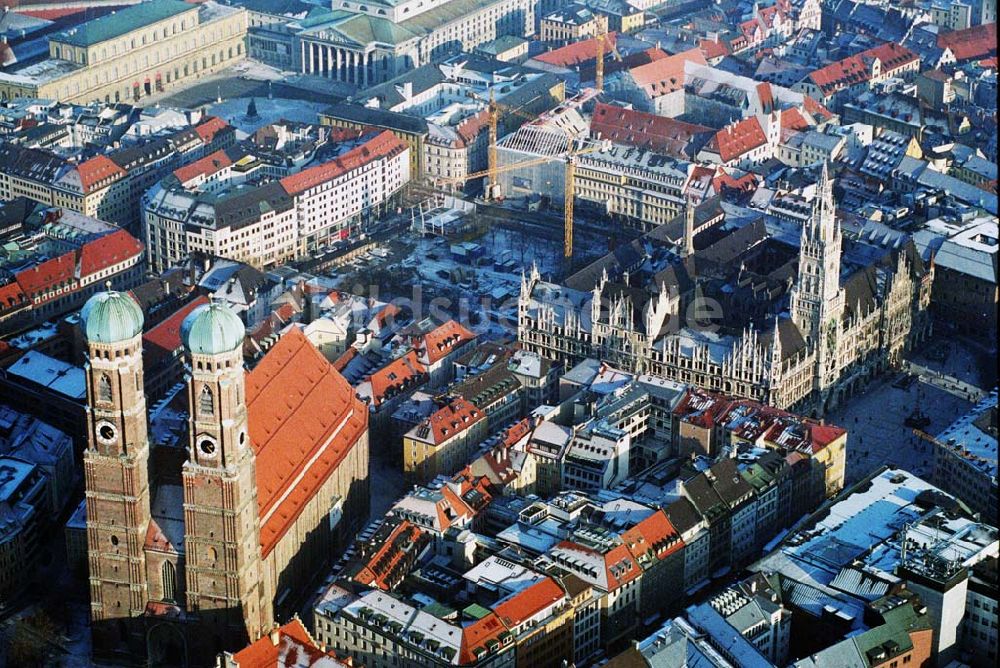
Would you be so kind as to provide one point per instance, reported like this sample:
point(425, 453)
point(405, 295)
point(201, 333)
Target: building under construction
point(645, 189)
point(541, 151)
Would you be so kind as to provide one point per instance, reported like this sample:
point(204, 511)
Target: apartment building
point(442, 444)
point(572, 23)
point(965, 293)
point(597, 458)
point(108, 187)
point(843, 80)
point(965, 457)
point(378, 629)
point(52, 286)
point(229, 205)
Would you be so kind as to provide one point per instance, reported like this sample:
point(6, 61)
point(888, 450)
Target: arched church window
point(205, 406)
point(104, 388)
point(169, 576)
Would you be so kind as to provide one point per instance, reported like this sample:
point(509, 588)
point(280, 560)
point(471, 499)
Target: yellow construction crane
point(599, 65)
point(492, 191)
point(570, 155)
point(568, 195)
point(493, 169)
point(492, 185)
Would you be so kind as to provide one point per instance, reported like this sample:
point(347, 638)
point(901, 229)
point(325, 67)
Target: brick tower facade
point(190, 561)
point(116, 473)
point(222, 527)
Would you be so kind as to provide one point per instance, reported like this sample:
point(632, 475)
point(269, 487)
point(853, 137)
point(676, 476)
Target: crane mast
point(493, 183)
point(568, 209)
point(599, 67)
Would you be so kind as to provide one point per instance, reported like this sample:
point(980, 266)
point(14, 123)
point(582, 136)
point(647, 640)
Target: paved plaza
point(946, 379)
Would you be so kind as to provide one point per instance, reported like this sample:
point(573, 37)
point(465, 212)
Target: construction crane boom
point(518, 165)
point(569, 191)
point(493, 118)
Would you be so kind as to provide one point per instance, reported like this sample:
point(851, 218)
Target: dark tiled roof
point(728, 483)
point(704, 497)
point(791, 338)
point(246, 208)
point(683, 515)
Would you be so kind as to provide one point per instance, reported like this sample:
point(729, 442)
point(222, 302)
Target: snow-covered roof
point(60, 377)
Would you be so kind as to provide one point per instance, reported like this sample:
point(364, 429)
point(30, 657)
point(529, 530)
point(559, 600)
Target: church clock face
point(106, 432)
point(206, 446)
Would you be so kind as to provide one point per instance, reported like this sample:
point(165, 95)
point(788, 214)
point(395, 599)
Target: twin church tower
point(186, 563)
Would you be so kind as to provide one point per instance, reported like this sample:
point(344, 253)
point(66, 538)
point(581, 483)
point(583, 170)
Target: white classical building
point(364, 43)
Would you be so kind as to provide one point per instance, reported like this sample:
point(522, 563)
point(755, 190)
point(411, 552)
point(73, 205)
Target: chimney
point(275, 636)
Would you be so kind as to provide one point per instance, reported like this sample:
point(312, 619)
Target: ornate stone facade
point(844, 326)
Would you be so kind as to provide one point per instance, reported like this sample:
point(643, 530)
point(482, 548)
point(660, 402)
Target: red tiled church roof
point(766, 96)
point(303, 420)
